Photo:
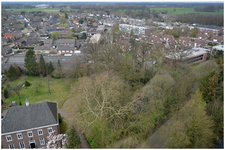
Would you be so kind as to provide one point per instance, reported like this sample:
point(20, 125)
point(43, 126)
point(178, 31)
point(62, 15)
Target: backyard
point(59, 90)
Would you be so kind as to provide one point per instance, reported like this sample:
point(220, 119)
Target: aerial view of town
point(112, 74)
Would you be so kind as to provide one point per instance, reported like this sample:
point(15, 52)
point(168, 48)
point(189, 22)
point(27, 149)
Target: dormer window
point(8, 138)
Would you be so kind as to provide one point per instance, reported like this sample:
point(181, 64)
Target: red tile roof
point(8, 35)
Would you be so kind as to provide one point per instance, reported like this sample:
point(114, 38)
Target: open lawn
point(181, 11)
point(63, 24)
point(59, 91)
point(48, 10)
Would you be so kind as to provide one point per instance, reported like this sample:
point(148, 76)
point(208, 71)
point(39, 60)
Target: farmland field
point(170, 10)
point(48, 10)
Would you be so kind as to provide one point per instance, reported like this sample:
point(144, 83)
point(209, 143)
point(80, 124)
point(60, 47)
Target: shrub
point(60, 118)
point(74, 139)
point(20, 103)
point(27, 83)
point(6, 94)
point(92, 142)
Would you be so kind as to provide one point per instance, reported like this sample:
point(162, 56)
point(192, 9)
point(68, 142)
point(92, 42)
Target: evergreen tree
point(59, 69)
point(12, 73)
point(194, 32)
point(50, 68)
point(131, 32)
point(30, 62)
point(18, 69)
point(6, 94)
point(42, 65)
point(74, 139)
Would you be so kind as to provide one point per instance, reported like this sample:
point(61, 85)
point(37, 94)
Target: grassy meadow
point(48, 10)
point(59, 90)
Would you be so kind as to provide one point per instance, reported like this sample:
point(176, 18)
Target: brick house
point(4, 41)
point(48, 42)
point(67, 42)
point(202, 36)
point(200, 43)
point(95, 24)
point(217, 39)
point(42, 49)
point(20, 42)
point(6, 50)
point(65, 50)
point(9, 36)
point(184, 40)
point(168, 37)
point(27, 126)
point(155, 39)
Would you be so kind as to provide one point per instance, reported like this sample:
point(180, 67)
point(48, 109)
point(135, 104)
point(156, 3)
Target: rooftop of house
point(65, 48)
point(48, 41)
point(42, 48)
point(26, 117)
point(6, 48)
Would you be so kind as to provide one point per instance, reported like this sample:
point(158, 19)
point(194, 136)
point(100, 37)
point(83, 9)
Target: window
point(8, 138)
point(22, 145)
point(11, 146)
point(49, 130)
point(40, 132)
point(42, 141)
point(30, 134)
point(19, 136)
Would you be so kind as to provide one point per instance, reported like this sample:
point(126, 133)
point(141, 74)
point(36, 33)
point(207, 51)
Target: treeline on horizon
point(204, 19)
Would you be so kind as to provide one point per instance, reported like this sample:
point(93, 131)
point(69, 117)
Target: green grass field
point(48, 10)
point(59, 91)
point(170, 10)
point(63, 24)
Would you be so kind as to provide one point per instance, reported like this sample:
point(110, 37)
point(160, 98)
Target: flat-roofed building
point(136, 29)
point(194, 55)
point(95, 39)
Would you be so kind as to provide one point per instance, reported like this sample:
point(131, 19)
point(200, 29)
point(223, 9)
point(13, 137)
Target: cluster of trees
point(177, 32)
point(120, 101)
point(207, 8)
point(205, 19)
point(34, 68)
point(13, 72)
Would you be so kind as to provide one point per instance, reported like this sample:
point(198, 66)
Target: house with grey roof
point(6, 50)
point(42, 49)
point(27, 126)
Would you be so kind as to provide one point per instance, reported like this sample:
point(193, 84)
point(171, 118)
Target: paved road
point(19, 60)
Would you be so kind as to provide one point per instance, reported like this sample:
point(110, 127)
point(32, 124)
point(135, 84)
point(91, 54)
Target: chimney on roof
point(27, 103)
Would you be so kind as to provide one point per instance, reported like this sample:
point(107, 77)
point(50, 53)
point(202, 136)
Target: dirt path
point(83, 140)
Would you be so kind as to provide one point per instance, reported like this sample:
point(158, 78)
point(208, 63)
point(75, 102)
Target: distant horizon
point(113, 1)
